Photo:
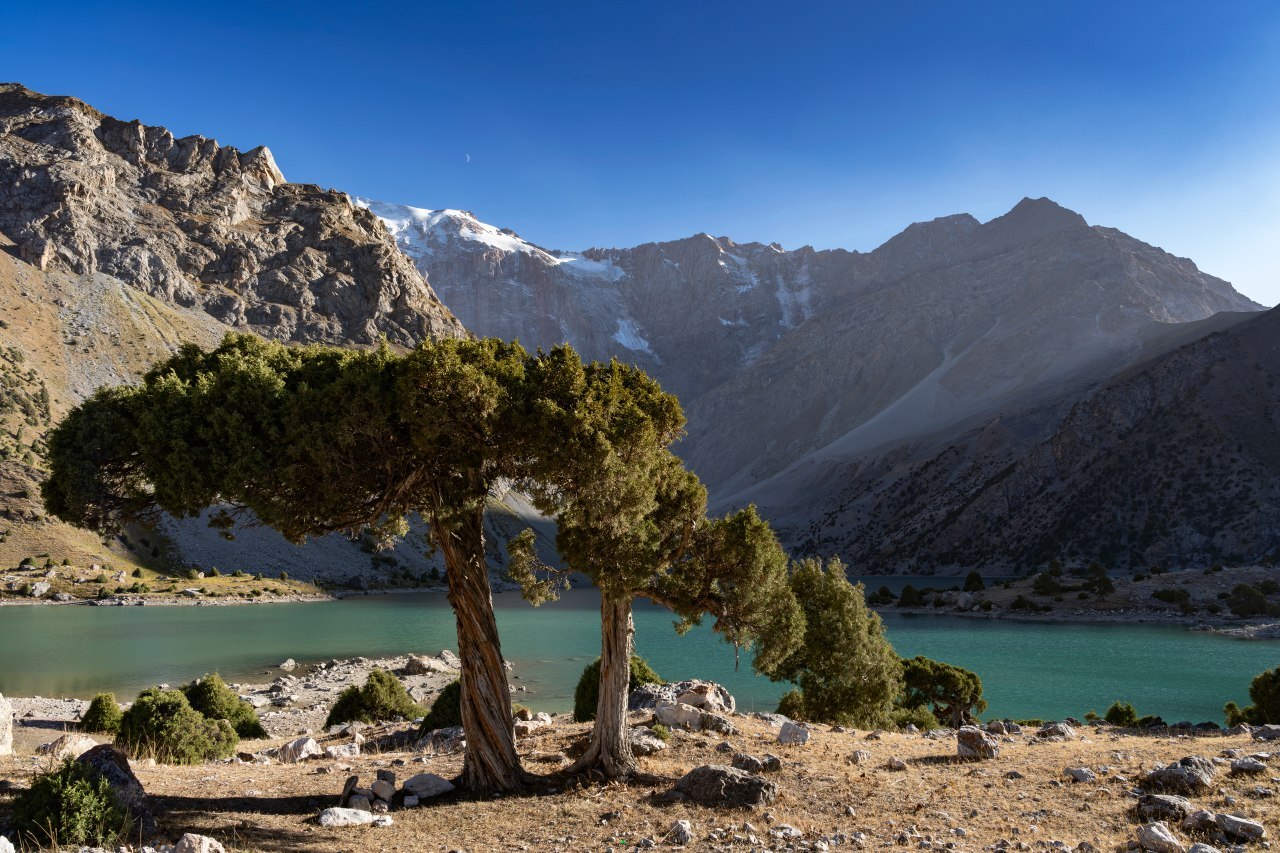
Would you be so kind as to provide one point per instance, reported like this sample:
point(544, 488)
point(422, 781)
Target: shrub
point(69, 806)
point(1046, 584)
point(381, 698)
point(1246, 601)
point(1172, 596)
point(846, 670)
point(953, 692)
point(661, 732)
point(920, 717)
point(214, 699)
point(911, 597)
point(973, 582)
point(1121, 714)
point(213, 572)
point(103, 716)
point(446, 711)
point(587, 694)
point(137, 573)
point(1264, 690)
point(163, 725)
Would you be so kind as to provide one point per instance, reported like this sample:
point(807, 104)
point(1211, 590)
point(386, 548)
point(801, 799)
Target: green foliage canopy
point(953, 693)
point(846, 670)
point(587, 693)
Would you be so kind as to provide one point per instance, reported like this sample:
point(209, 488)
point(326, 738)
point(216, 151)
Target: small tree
point(845, 668)
point(587, 694)
point(161, 724)
point(446, 711)
point(911, 597)
point(953, 693)
point(1121, 714)
point(69, 805)
point(215, 700)
point(381, 698)
point(1264, 690)
point(1246, 601)
point(973, 582)
point(103, 715)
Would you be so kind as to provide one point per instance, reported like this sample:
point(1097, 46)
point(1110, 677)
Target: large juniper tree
point(312, 440)
point(631, 518)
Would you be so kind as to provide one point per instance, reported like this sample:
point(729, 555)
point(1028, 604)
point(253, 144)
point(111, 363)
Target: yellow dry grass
point(274, 807)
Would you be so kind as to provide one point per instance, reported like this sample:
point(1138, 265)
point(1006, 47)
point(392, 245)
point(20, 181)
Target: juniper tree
point(631, 518)
point(313, 440)
point(845, 669)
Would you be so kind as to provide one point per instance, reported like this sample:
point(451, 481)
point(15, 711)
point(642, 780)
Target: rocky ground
point(839, 789)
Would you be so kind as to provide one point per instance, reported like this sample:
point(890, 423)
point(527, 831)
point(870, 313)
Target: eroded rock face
point(201, 224)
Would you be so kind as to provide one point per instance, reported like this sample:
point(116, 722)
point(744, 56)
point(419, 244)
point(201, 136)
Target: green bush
point(103, 716)
point(1121, 714)
point(68, 806)
point(973, 582)
point(1046, 584)
point(446, 711)
point(1246, 601)
point(587, 694)
point(950, 692)
point(215, 700)
point(1172, 596)
point(381, 698)
point(1264, 690)
point(920, 717)
point(161, 724)
point(911, 597)
point(662, 733)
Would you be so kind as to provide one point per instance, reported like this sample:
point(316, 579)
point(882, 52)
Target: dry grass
point(273, 807)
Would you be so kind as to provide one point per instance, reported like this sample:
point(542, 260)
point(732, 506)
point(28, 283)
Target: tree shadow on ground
point(232, 819)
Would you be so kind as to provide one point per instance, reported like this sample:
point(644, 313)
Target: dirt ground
point(937, 802)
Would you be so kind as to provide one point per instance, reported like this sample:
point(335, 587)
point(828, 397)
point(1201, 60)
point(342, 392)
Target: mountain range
point(968, 394)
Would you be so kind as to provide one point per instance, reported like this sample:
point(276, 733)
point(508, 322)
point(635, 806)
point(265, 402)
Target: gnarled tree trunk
point(491, 763)
point(609, 750)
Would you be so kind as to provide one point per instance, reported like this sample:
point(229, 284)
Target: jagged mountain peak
point(204, 225)
point(1034, 217)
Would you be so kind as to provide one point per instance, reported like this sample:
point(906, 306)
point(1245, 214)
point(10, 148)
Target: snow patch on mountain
point(629, 336)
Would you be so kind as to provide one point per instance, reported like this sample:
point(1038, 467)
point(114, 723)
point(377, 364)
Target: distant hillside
point(816, 381)
point(1173, 463)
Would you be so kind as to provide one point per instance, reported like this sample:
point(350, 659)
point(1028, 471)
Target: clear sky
point(607, 123)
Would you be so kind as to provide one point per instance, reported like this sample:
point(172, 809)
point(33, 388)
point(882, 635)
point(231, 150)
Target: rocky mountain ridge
point(202, 225)
point(810, 375)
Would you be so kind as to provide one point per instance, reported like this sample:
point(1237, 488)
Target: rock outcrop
point(203, 225)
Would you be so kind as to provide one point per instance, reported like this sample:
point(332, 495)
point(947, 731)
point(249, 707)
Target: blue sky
point(610, 124)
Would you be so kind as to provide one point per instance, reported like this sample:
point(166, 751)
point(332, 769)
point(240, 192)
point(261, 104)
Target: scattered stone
point(973, 743)
point(1200, 820)
point(70, 745)
point(1239, 828)
point(717, 785)
point(450, 659)
point(681, 833)
point(106, 762)
point(896, 764)
point(679, 715)
point(860, 756)
point(346, 750)
point(749, 763)
point(427, 785)
point(1247, 767)
point(1013, 774)
point(411, 800)
point(1203, 848)
point(1270, 731)
point(383, 790)
point(1080, 774)
point(1157, 838)
point(347, 790)
point(40, 589)
point(5, 845)
point(192, 843)
point(1061, 731)
point(443, 741)
point(793, 733)
point(644, 741)
point(1190, 775)
point(345, 817)
point(1163, 807)
point(706, 695)
point(289, 665)
point(299, 750)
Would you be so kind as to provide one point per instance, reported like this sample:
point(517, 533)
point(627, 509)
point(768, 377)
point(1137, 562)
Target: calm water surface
point(1028, 669)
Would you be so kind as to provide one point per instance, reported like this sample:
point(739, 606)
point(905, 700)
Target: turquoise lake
point(1028, 669)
